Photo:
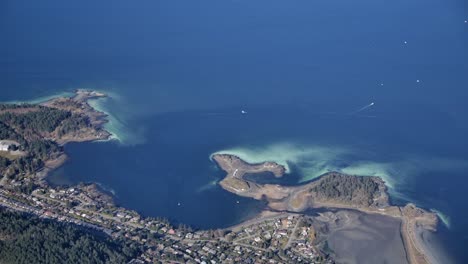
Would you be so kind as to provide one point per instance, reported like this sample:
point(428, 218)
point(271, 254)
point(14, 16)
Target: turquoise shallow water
point(180, 72)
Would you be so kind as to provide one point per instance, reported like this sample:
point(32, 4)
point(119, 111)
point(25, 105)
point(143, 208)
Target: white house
point(4, 147)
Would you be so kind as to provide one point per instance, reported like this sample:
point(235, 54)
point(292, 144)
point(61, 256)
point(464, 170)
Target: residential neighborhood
point(281, 238)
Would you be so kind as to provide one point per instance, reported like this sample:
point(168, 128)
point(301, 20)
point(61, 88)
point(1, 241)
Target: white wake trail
point(362, 108)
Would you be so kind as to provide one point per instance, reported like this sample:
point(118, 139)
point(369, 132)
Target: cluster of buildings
point(291, 237)
point(272, 240)
point(10, 147)
point(5, 145)
point(282, 239)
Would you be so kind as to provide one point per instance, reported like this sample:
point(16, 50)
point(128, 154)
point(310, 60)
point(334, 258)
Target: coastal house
point(4, 147)
point(120, 215)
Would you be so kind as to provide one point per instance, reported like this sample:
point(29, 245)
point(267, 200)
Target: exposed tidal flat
point(364, 238)
point(370, 238)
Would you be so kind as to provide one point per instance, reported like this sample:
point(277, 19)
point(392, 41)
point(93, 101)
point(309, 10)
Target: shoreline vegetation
point(41, 130)
point(94, 131)
point(281, 234)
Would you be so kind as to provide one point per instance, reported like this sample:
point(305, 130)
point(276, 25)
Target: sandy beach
point(430, 245)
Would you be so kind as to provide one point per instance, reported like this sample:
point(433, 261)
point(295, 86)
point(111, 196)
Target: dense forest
point(28, 239)
point(16, 106)
point(7, 132)
point(40, 119)
point(37, 151)
point(28, 125)
point(346, 187)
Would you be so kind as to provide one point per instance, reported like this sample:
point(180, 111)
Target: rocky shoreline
point(368, 195)
point(79, 105)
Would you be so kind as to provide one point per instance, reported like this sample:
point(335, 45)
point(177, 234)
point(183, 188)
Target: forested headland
point(35, 129)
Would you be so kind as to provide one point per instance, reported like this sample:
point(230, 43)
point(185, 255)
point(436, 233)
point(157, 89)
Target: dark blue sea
point(369, 87)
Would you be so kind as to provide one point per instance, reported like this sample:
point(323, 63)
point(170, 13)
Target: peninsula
point(331, 190)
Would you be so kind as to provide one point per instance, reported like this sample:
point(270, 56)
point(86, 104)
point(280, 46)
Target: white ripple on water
point(118, 120)
point(443, 217)
point(210, 185)
point(313, 161)
point(285, 153)
point(42, 99)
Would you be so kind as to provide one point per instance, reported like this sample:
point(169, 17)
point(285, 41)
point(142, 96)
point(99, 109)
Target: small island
point(332, 190)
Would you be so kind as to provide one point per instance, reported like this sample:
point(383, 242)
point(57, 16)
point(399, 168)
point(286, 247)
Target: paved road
point(256, 220)
point(292, 236)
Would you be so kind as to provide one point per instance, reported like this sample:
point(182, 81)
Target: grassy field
point(11, 155)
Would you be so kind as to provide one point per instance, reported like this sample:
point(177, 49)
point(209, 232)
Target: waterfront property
point(4, 146)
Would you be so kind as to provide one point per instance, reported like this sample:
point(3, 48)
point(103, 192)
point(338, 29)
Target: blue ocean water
point(179, 73)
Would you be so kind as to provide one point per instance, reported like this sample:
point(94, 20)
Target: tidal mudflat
point(355, 237)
